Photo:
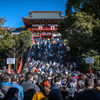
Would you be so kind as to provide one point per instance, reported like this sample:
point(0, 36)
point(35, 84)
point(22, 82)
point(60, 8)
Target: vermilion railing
point(33, 29)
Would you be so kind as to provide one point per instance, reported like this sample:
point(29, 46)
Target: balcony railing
point(44, 28)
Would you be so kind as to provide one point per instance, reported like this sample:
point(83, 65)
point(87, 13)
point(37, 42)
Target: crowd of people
point(49, 75)
point(49, 50)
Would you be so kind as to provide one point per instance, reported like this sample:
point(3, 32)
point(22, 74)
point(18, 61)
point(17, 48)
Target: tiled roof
point(45, 15)
point(18, 29)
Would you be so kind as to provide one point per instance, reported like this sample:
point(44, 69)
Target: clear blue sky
point(14, 10)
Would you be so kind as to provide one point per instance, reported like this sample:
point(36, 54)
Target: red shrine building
point(43, 24)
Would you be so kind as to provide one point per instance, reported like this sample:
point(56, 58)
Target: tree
point(2, 21)
point(6, 39)
point(91, 7)
point(21, 43)
point(81, 27)
point(13, 45)
point(92, 53)
point(78, 30)
point(96, 38)
point(25, 39)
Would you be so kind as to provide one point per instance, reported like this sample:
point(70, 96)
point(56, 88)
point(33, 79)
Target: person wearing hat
point(74, 80)
point(4, 69)
point(72, 87)
point(80, 85)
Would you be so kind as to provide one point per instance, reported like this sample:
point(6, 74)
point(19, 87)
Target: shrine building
point(43, 24)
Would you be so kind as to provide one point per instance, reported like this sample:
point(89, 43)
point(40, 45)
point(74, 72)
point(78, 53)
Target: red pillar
point(32, 39)
point(40, 34)
point(52, 30)
point(52, 34)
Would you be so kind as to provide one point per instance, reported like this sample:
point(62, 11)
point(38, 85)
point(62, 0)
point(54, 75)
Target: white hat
point(54, 63)
point(66, 72)
point(4, 67)
point(49, 78)
point(31, 64)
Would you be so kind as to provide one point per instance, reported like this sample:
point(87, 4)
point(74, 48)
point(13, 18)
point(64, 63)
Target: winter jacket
point(29, 85)
point(39, 96)
point(4, 87)
point(88, 94)
point(20, 88)
point(28, 95)
point(72, 89)
point(56, 86)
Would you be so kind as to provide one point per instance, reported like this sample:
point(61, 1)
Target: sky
point(14, 10)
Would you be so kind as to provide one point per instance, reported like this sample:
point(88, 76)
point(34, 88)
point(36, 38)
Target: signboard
point(40, 27)
point(89, 60)
point(10, 60)
point(52, 28)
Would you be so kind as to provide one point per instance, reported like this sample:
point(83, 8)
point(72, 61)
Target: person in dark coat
point(12, 94)
point(80, 85)
point(64, 91)
point(55, 94)
point(57, 84)
point(30, 88)
point(88, 93)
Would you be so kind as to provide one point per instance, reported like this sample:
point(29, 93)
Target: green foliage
point(78, 30)
point(17, 41)
point(91, 7)
point(2, 21)
point(13, 45)
point(21, 43)
point(25, 39)
point(81, 29)
point(95, 55)
point(96, 38)
point(6, 40)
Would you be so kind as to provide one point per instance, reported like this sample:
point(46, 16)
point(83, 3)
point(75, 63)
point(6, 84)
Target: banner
point(40, 27)
point(52, 27)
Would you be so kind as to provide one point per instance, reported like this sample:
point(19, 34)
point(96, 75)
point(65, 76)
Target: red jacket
point(90, 71)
